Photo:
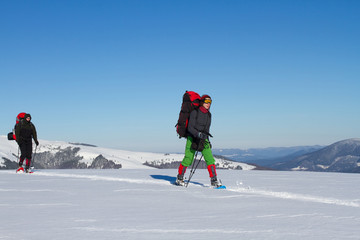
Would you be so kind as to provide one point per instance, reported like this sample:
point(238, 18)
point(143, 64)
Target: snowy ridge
point(342, 156)
point(87, 154)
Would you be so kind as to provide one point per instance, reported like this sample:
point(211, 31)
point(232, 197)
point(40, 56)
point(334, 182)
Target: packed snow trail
point(239, 189)
point(101, 178)
point(298, 197)
point(177, 231)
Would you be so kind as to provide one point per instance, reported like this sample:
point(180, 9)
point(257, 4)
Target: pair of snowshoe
point(22, 170)
point(214, 181)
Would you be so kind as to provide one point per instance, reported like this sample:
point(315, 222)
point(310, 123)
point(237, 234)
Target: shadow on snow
point(172, 179)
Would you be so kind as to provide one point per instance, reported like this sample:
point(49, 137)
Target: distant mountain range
point(62, 155)
point(343, 156)
point(265, 156)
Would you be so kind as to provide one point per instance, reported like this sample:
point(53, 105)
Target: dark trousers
point(26, 152)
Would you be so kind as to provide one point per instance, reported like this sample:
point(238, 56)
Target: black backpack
point(191, 101)
point(19, 118)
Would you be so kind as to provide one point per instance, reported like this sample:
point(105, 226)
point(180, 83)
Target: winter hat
point(27, 115)
point(205, 98)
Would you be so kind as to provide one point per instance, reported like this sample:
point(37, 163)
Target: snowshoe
point(180, 180)
point(28, 170)
point(216, 183)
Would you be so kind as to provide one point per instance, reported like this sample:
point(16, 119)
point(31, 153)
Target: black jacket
point(25, 131)
point(199, 122)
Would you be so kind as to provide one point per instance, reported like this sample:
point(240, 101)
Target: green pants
point(190, 153)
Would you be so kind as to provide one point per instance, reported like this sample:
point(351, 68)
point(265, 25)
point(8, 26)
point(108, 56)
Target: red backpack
point(19, 117)
point(191, 101)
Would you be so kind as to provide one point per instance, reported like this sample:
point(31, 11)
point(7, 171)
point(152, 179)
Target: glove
point(201, 135)
point(37, 143)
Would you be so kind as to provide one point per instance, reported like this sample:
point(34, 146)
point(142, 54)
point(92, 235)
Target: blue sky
point(112, 73)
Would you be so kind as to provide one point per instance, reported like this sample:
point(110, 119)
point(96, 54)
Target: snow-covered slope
point(342, 156)
point(56, 154)
point(143, 204)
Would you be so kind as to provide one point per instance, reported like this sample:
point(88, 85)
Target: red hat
point(203, 97)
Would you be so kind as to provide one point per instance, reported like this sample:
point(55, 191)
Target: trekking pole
point(18, 155)
point(194, 165)
point(193, 170)
point(32, 160)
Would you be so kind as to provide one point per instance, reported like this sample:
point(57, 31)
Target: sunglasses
point(207, 101)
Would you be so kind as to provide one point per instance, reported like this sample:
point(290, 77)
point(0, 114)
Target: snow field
point(143, 204)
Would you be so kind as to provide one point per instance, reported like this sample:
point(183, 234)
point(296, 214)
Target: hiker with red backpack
point(197, 133)
point(25, 131)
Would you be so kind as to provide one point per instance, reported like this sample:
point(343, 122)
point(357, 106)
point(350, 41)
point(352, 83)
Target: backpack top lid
point(19, 117)
point(194, 96)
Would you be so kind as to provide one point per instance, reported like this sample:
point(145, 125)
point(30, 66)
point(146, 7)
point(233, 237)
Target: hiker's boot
point(215, 182)
point(27, 166)
point(21, 161)
point(180, 180)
